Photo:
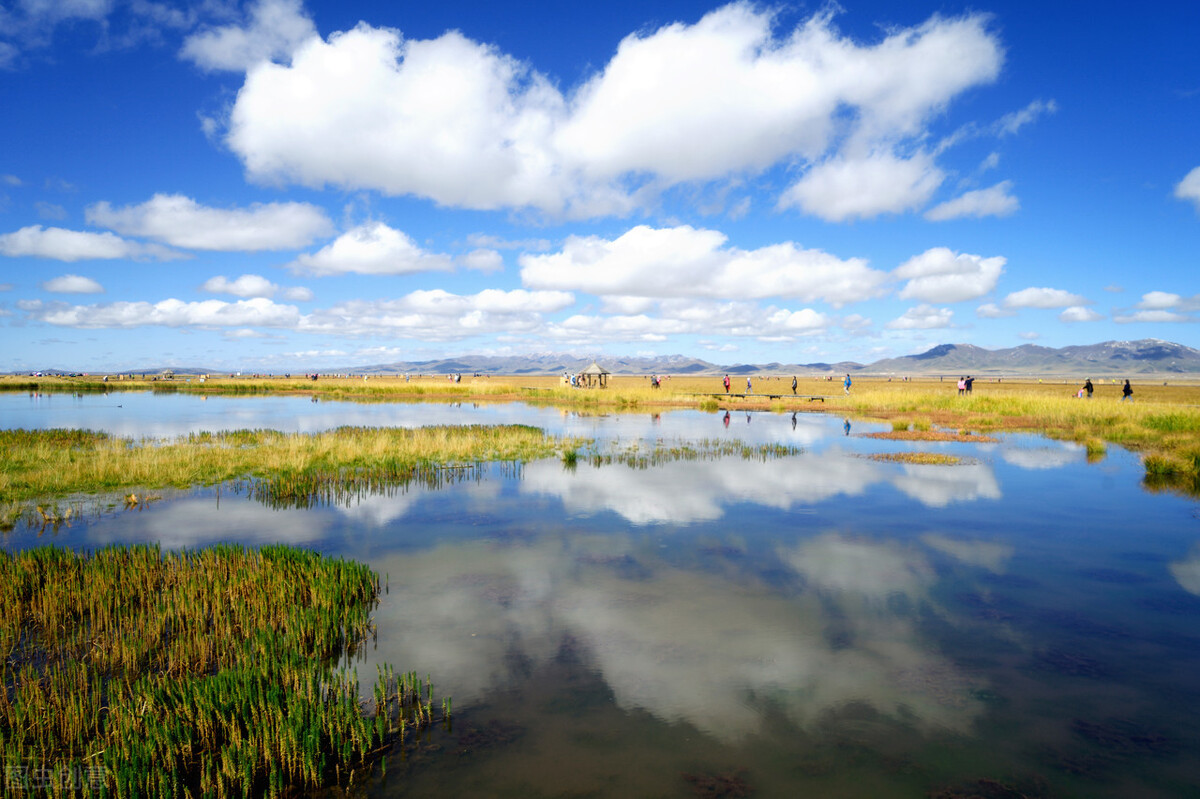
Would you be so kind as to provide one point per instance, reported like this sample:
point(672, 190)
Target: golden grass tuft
point(55, 463)
point(923, 458)
point(932, 435)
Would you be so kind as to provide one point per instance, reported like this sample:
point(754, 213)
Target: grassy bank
point(44, 464)
point(1162, 424)
point(134, 672)
point(334, 388)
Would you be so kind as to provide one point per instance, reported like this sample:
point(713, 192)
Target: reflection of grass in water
point(53, 463)
point(923, 458)
point(205, 672)
point(639, 457)
point(931, 435)
point(1178, 472)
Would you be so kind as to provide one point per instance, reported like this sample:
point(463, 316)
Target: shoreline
point(1162, 424)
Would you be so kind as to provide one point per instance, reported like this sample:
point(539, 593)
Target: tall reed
point(138, 672)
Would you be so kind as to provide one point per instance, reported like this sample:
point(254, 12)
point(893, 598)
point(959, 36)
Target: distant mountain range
point(1147, 356)
point(1115, 358)
point(1110, 358)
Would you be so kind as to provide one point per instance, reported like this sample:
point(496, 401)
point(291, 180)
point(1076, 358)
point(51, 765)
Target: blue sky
point(285, 186)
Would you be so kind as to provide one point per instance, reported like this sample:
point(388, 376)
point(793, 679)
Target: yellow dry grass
point(54, 463)
point(1163, 422)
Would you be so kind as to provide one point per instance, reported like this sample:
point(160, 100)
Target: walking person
point(726, 381)
point(1127, 392)
point(749, 388)
point(1087, 386)
point(846, 383)
point(962, 386)
point(793, 385)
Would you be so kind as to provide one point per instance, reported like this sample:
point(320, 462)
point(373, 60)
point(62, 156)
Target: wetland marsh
point(704, 604)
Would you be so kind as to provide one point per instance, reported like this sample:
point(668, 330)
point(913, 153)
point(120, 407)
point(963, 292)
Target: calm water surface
point(823, 624)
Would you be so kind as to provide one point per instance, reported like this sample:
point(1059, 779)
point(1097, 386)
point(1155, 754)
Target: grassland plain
point(1162, 424)
point(136, 672)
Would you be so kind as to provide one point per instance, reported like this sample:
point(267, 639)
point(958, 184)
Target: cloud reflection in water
point(1187, 571)
point(687, 645)
point(692, 491)
point(196, 522)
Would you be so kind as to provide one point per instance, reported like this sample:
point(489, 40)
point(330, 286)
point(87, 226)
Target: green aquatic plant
point(137, 672)
point(570, 458)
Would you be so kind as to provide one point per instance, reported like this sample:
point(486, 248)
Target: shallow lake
point(820, 624)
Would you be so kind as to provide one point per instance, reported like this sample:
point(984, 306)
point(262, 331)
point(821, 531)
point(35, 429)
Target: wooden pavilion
point(595, 375)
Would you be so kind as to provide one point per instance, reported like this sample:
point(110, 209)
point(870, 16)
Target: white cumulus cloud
point(244, 286)
point(482, 260)
point(298, 294)
point(73, 284)
point(847, 188)
point(990, 310)
point(1158, 300)
point(434, 315)
point(634, 321)
point(689, 262)
point(370, 249)
point(466, 125)
point(1152, 316)
point(1043, 298)
point(1155, 300)
point(804, 319)
point(1189, 188)
point(942, 275)
point(182, 222)
point(61, 244)
point(275, 28)
point(1078, 313)
point(257, 312)
point(922, 317)
point(994, 201)
point(438, 315)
